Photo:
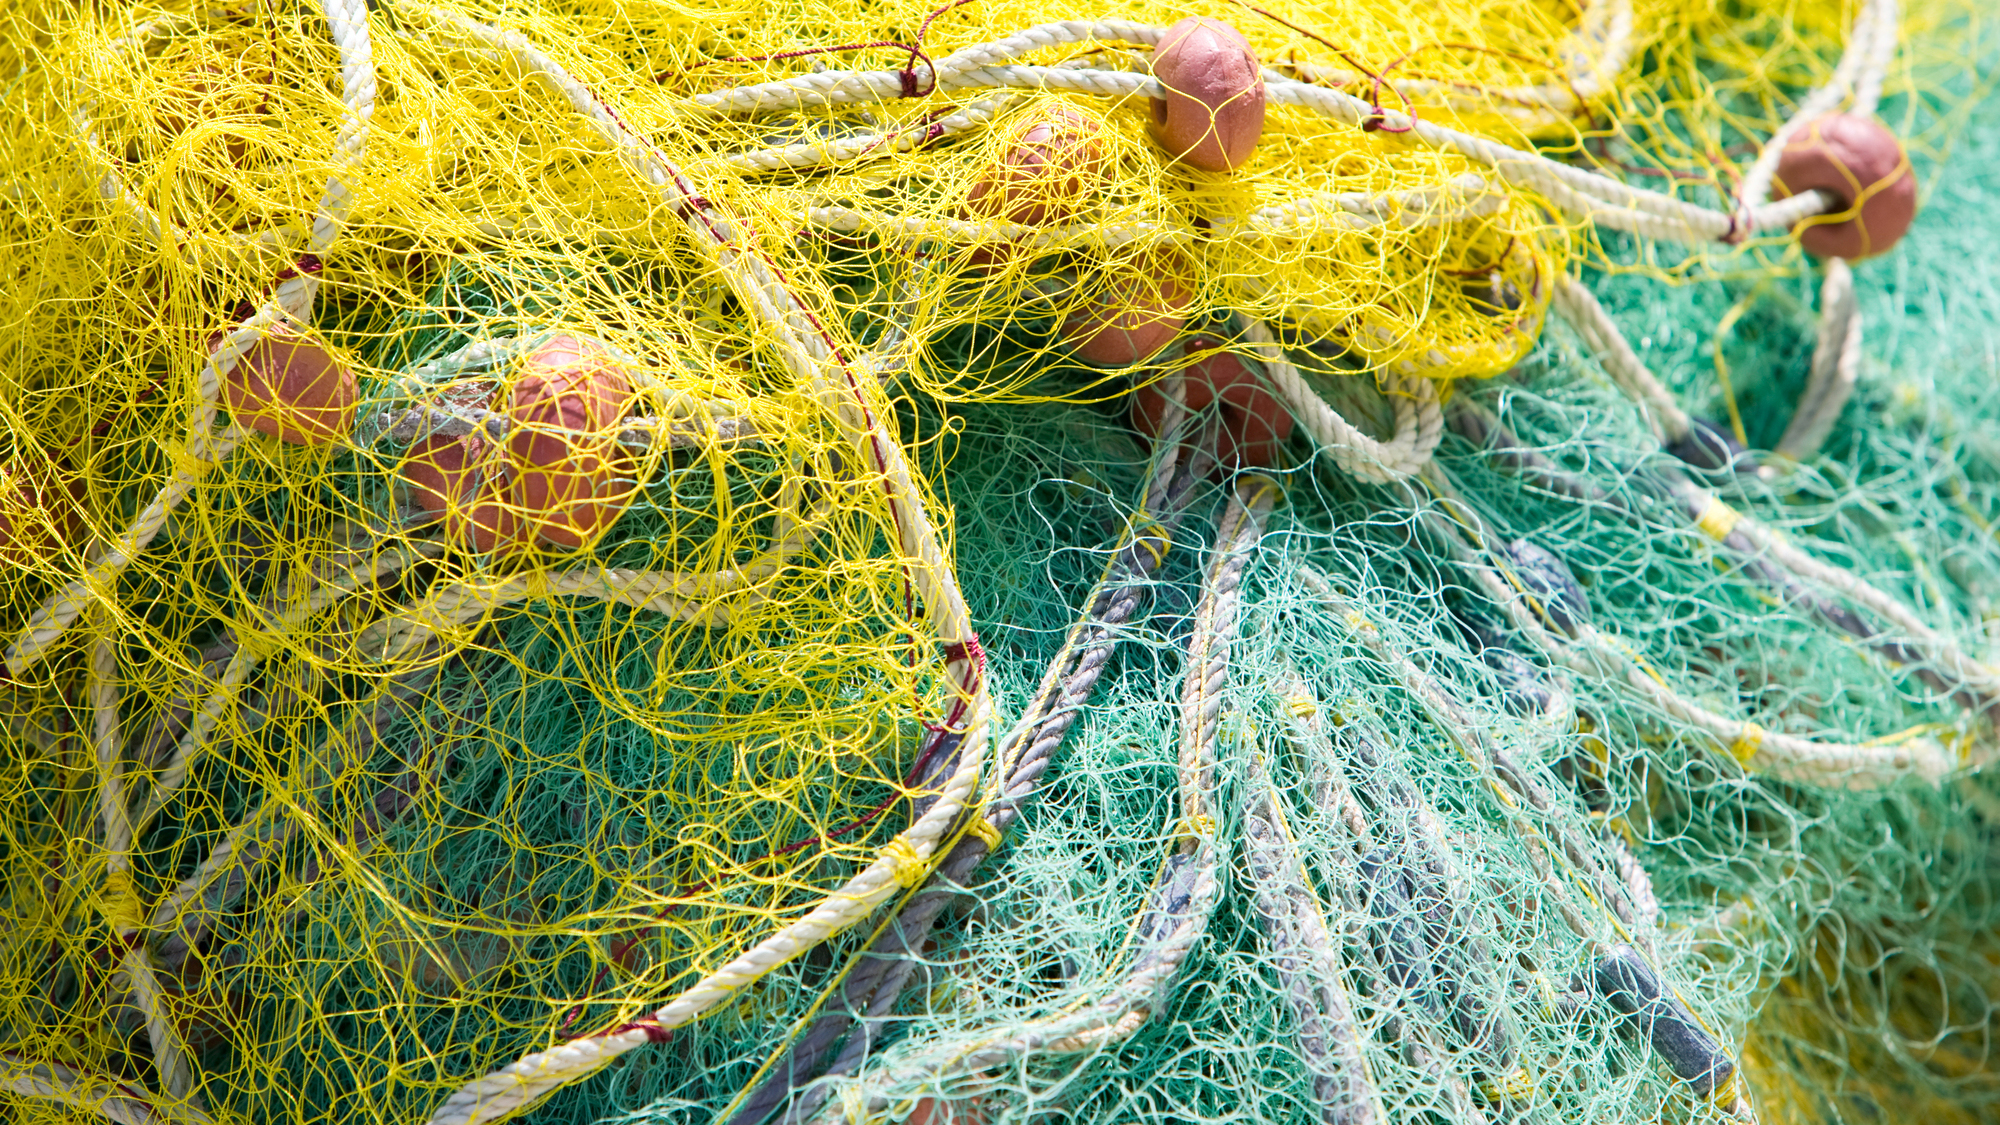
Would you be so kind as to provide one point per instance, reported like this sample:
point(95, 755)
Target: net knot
point(967, 651)
point(906, 865)
point(121, 902)
point(1739, 228)
point(986, 832)
point(654, 1032)
point(306, 264)
point(1150, 535)
point(1746, 745)
point(1718, 519)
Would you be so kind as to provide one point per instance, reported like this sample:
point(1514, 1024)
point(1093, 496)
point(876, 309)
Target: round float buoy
point(1255, 423)
point(1213, 112)
point(443, 472)
point(563, 408)
point(1860, 162)
point(1141, 311)
point(291, 388)
point(1048, 169)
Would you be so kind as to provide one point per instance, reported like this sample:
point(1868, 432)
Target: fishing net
point(642, 562)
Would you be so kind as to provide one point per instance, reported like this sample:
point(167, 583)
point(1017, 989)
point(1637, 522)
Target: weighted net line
point(878, 974)
point(1182, 896)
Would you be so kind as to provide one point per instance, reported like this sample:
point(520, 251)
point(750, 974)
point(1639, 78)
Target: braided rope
point(839, 87)
point(1762, 541)
point(1589, 194)
point(1724, 523)
point(1608, 345)
point(1305, 960)
point(1419, 417)
point(1023, 755)
point(1465, 197)
point(265, 832)
point(1869, 44)
point(113, 1098)
point(1729, 529)
point(845, 388)
point(1186, 890)
point(120, 906)
point(1513, 786)
point(1423, 833)
point(837, 150)
point(1836, 363)
point(1788, 757)
point(323, 595)
point(1594, 53)
point(347, 20)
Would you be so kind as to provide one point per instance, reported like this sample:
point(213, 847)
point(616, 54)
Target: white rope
point(1721, 522)
point(1419, 418)
point(1464, 197)
point(1771, 753)
point(291, 300)
point(112, 1098)
point(1575, 189)
point(1836, 363)
point(847, 390)
point(1600, 333)
point(1186, 893)
point(1584, 192)
point(121, 904)
point(839, 150)
point(841, 87)
point(342, 581)
point(1870, 43)
point(1875, 68)
point(1593, 54)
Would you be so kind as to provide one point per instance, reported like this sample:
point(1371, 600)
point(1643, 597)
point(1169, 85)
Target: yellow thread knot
point(1152, 535)
point(1303, 706)
point(984, 831)
point(1746, 744)
point(1718, 519)
point(121, 902)
point(1200, 825)
point(905, 863)
point(1514, 1087)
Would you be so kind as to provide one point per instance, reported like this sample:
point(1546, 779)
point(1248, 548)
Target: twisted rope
point(1836, 363)
point(1870, 43)
point(1186, 890)
point(111, 1098)
point(292, 299)
point(871, 988)
point(847, 390)
point(1419, 418)
point(1304, 956)
point(1592, 653)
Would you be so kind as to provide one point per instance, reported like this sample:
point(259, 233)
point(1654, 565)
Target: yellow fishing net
point(483, 560)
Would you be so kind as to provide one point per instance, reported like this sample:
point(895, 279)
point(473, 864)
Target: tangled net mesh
point(611, 779)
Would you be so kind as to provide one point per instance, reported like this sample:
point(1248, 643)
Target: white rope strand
point(291, 299)
point(1869, 45)
point(1836, 363)
point(1419, 418)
